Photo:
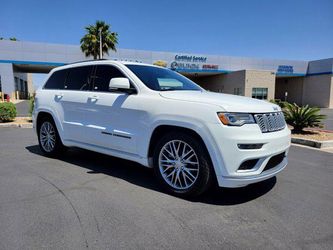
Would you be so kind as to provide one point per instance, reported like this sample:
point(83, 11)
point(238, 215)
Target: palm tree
point(10, 39)
point(90, 41)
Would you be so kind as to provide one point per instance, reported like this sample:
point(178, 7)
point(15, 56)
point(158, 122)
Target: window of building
point(103, 75)
point(21, 85)
point(79, 78)
point(237, 91)
point(56, 80)
point(259, 93)
point(16, 83)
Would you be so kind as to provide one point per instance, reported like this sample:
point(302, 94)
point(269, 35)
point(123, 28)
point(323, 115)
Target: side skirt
point(112, 152)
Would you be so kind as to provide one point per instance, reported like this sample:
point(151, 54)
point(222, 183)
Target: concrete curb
point(312, 143)
point(15, 125)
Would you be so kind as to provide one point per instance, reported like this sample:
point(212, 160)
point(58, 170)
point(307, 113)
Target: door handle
point(93, 98)
point(59, 95)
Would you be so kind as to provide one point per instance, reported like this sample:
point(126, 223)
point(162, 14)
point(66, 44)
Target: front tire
point(48, 138)
point(182, 165)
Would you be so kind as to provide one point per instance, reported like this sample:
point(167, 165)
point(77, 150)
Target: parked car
point(161, 119)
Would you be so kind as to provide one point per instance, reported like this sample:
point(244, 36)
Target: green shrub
point(279, 102)
point(31, 105)
point(302, 117)
point(7, 111)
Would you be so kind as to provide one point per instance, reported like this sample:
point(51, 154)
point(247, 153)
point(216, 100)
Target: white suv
point(161, 119)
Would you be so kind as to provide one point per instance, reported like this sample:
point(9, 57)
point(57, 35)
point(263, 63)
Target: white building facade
point(303, 82)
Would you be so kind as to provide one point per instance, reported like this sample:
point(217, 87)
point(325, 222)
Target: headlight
point(235, 119)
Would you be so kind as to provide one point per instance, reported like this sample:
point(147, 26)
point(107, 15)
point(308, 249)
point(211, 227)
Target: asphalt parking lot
point(89, 200)
point(22, 108)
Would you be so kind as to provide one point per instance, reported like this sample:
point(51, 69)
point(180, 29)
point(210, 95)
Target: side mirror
point(119, 83)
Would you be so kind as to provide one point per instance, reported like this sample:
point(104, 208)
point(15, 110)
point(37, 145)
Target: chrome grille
point(270, 122)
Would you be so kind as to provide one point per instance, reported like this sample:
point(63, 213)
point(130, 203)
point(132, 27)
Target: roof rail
point(93, 60)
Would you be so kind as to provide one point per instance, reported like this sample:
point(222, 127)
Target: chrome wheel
point(47, 136)
point(178, 164)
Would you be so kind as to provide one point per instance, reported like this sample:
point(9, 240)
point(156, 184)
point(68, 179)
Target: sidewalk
point(19, 122)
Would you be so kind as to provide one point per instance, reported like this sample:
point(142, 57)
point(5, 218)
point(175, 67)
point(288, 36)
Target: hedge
point(31, 105)
point(7, 111)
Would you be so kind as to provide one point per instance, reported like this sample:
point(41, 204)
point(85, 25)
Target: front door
point(113, 119)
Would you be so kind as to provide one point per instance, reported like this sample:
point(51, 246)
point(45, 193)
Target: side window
point(103, 75)
point(79, 78)
point(56, 80)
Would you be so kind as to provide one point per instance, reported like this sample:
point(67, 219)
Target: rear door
point(53, 91)
point(74, 101)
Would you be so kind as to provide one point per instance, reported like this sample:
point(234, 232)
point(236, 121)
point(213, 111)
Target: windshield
point(161, 79)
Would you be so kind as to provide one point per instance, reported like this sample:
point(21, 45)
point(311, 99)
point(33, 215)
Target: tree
point(160, 63)
point(302, 117)
point(90, 41)
point(10, 39)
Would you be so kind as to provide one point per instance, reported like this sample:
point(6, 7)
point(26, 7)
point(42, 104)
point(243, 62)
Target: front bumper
point(228, 157)
point(241, 181)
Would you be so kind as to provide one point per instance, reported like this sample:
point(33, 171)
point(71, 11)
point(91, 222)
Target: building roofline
point(159, 51)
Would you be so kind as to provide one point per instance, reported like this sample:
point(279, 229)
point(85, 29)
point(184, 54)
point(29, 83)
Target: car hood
point(229, 103)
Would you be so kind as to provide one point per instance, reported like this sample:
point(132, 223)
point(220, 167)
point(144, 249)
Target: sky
point(294, 29)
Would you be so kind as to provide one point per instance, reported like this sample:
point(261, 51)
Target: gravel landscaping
point(315, 135)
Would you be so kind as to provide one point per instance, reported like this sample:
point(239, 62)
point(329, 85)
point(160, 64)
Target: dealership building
point(302, 82)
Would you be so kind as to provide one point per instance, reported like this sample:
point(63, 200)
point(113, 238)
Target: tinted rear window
point(56, 80)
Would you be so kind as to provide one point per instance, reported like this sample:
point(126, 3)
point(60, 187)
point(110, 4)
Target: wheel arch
point(161, 130)
point(46, 113)
point(40, 116)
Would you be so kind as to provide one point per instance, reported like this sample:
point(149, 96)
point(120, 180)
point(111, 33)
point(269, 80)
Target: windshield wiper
point(171, 89)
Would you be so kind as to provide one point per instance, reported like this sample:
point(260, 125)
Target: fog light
point(250, 146)
point(249, 164)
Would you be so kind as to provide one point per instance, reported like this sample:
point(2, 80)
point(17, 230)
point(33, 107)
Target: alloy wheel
point(178, 164)
point(47, 136)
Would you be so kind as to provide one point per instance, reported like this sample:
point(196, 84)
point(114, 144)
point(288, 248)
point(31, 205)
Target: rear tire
point(182, 165)
point(48, 138)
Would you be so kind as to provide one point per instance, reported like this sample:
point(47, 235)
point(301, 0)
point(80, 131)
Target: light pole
point(100, 43)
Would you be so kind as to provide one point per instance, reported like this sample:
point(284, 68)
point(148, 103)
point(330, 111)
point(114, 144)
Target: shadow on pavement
point(144, 177)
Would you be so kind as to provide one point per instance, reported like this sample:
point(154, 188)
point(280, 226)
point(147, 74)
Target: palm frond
point(302, 117)
point(90, 41)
